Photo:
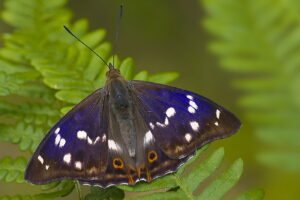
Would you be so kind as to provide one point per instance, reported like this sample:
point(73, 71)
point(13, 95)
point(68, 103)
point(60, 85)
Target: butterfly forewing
point(76, 147)
point(182, 121)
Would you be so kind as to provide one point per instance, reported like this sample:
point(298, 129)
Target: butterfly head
point(113, 73)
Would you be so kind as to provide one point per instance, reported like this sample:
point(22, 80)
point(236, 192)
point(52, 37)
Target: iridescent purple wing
point(182, 121)
point(76, 147)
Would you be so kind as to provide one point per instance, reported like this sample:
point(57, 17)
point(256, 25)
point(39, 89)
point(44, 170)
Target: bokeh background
point(242, 54)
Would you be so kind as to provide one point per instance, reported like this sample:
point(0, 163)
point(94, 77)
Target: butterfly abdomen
point(122, 109)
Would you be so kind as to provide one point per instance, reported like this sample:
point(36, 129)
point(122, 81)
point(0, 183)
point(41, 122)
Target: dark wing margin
point(182, 121)
point(76, 147)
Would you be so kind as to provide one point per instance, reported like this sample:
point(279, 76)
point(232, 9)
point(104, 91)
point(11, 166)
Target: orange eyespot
point(152, 156)
point(118, 163)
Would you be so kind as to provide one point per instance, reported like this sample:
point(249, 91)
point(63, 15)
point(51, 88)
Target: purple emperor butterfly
point(128, 131)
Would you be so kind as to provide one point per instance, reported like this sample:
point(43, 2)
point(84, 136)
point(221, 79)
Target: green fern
point(12, 169)
point(112, 193)
point(44, 72)
point(63, 189)
point(260, 39)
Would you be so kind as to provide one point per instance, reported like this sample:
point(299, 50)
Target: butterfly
point(128, 131)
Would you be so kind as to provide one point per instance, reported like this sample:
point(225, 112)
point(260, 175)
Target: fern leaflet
point(259, 40)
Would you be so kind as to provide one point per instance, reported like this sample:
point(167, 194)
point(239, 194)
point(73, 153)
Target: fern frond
point(27, 136)
point(112, 193)
point(36, 90)
point(163, 78)
point(36, 113)
point(20, 197)
point(256, 194)
point(9, 83)
point(63, 189)
point(7, 86)
point(12, 169)
point(260, 40)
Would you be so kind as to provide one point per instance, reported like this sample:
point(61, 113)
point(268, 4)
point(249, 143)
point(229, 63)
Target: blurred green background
point(242, 54)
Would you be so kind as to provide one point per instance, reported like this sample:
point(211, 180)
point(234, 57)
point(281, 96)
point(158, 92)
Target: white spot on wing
point(166, 121)
point(96, 140)
point(62, 143)
point(151, 125)
point(81, 135)
point(189, 97)
point(78, 165)
point(193, 104)
point(47, 167)
point(194, 125)
point(67, 158)
point(191, 109)
point(188, 137)
point(170, 112)
point(57, 130)
point(41, 159)
point(160, 124)
point(90, 141)
point(148, 138)
point(218, 112)
point(104, 138)
point(57, 139)
point(217, 123)
point(113, 145)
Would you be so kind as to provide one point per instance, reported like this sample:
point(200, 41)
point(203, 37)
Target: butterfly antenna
point(92, 50)
point(117, 33)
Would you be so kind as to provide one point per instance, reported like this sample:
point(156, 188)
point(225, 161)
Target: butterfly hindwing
point(76, 147)
point(182, 121)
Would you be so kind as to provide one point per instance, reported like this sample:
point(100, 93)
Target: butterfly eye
point(152, 156)
point(118, 163)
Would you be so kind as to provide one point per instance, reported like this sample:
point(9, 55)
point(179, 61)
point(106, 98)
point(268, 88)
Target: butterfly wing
point(152, 162)
point(182, 121)
point(76, 147)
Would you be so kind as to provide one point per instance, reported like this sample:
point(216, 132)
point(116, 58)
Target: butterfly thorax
point(118, 93)
point(121, 112)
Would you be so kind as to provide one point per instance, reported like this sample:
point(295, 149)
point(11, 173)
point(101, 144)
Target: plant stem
point(77, 185)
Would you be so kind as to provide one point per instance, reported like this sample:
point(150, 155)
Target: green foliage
point(12, 169)
point(253, 194)
point(63, 189)
point(260, 40)
point(44, 72)
point(27, 136)
point(112, 193)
